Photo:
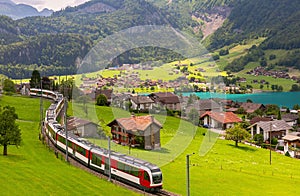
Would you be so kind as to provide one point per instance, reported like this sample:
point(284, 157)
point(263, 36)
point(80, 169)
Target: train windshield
point(157, 178)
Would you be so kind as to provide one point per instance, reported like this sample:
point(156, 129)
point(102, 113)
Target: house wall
point(229, 125)
point(88, 130)
point(145, 106)
point(156, 137)
point(293, 144)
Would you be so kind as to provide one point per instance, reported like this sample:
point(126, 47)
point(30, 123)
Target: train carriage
point(136, 172)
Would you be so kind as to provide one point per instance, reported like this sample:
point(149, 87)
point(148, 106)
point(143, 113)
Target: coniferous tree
point(35, 80)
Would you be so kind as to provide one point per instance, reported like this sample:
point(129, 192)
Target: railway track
point(75, 163)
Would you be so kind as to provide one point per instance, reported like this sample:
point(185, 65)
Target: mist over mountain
point(17, 11)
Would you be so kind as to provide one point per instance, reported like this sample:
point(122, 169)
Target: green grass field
point(224, 170)
point(33, 169)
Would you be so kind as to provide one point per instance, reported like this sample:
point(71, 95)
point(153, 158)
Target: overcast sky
point(50, 4)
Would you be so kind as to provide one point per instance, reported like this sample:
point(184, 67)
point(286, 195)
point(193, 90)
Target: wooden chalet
point(137, 130)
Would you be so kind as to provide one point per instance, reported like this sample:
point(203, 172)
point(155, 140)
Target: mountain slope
point(17, 11)
point(269, 18)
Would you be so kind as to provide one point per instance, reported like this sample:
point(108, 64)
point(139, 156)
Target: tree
point(9, 86)
point(295, 87)
point(279, 115)
point(101, 100)
point(10, 134)
point(237, 133)
point(241, 110)
point(35, 80)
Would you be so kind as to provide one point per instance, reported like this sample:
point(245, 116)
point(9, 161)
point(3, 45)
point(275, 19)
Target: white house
point(222, 120)
point(276, 128)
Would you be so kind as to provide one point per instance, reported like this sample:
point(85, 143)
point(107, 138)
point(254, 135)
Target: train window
point(127, 168)
point(97, 160)
point(121, 166)
point(81, 150)
point(157, 178)
point(61, 139)
point(146, 176)
point(134, 171)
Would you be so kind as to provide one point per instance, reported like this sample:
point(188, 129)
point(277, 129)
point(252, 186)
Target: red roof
point(223, 117)
point(136, 123)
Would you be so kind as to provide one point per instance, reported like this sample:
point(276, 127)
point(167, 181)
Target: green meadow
point(217, 167)
point(33, 169)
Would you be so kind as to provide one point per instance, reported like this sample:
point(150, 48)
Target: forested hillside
point(59, 42)
point(64, 38)
point(275, 19)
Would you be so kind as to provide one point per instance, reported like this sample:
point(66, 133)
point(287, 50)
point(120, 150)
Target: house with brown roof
point(82, 128)
point(275, 129)
point(140, 102)
point(291, 119)
point(204, 105)
point(106, 92)
point(137, 130)
point(166, 99)
point(292, 145)
point(220, 120)
point(251, 107)
point(258, 119)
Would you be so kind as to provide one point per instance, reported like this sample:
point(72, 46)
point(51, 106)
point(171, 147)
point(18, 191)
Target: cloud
point(50, 4)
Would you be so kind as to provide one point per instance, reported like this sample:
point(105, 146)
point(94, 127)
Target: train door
point(144, 178)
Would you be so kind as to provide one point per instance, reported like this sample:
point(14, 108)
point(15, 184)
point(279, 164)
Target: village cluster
point(215, 114)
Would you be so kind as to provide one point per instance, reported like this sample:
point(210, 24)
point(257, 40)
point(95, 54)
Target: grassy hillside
point(224, 170)
point(33, 169)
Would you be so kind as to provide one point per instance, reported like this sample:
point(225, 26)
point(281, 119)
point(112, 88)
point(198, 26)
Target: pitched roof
point(106, 92)
point(223, 117)
point(258, 119)
point(165, 97)
point(136, 123)
point(290, 117)
point(251, 107)
point(275, 125)
point(74, 122)
point(208, 104)
point(291, 138)
point(141, 99)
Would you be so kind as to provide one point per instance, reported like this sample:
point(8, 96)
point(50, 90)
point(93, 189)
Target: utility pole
point(66, 125)
point(109, 161)
point(188, 173)
point(41, 108)
point(65, 89)
point(270, 143)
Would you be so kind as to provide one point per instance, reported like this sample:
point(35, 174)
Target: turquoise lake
point(288, 99)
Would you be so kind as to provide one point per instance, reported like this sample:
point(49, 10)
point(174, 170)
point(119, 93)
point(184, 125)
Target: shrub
point(274, 141)
point(287, 154)
point(259, 138)
point(102, 100)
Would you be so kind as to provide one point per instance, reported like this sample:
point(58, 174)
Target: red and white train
point(136, 172)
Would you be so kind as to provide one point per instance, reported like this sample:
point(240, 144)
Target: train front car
point(154, 175)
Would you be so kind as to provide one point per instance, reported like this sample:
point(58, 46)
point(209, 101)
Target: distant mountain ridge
point(220, 22)
point(18, 11)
